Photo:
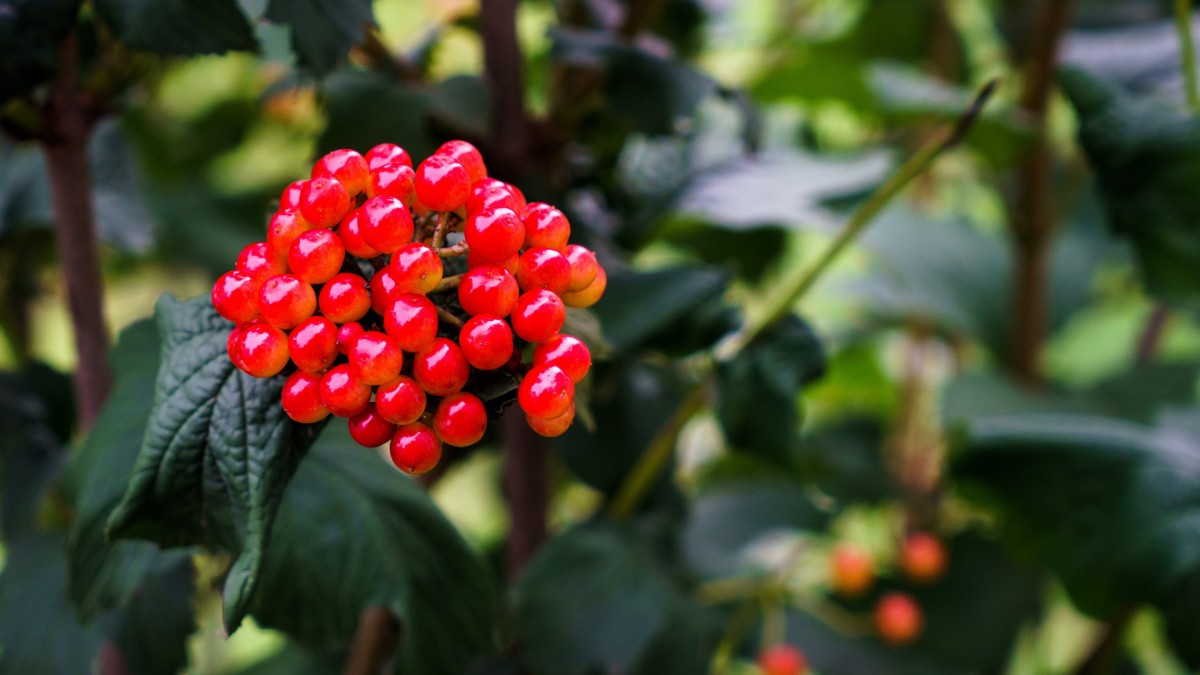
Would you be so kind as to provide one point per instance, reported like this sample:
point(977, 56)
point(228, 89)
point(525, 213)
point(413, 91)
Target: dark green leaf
point(31, 405)
point(217, 453)
point(352, 533)
point(367, 108)
point(844, 460)
point(323, 31)
point(179, 27)
point(638, 307)
point(294, 660)
point(30, 31)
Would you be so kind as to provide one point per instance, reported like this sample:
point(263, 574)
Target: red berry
point(346, 167)
point(316, 256)
point(489, 193)
point(376, 358)
point(418, 268)
point(313, 344)
point(400, 401)
point(235, 296)
point(923, 558)
point(345, 298)
point(324, 202)
point(851, 570)
point(257, 261)
point(290, 199)
point(782, 660)
point(898, 619)
point(233, 345)
point(486, 341)
point(590, 295)
point(369, 429)
point(387, 153)
point(343, 392)
point(415, 448)
point(285, 301)
point(583, 267)
point(546, 226)
point(350, 232)
point(393, 180)
point(494, 234)
point(538, 315)
point(385, 288)
point(346, 336)
point(301, 398)
point(488, 289)
point(263, 351)
point(546, 392)
point(512, 264)
point(543, 268)
point(283, 230)
point(460, 420)
point(442, 184)
point(465, 154)
point(411, 321)
point(554, 426)
point(441, 369)
point(385, 224)
point(567, 352)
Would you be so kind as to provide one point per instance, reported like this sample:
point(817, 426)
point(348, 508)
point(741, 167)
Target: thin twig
point(461, 248)
point(1187, 53)
point(439, 234)
point(449, 318)
point(449, 282)
point(375, 640)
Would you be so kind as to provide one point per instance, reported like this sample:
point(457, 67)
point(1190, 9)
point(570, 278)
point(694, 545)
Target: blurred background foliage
point(1007, 357)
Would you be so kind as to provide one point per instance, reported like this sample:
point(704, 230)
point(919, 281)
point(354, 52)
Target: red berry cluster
point(374, 348)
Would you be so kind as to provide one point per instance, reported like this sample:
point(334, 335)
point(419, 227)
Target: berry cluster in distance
point(373, 348)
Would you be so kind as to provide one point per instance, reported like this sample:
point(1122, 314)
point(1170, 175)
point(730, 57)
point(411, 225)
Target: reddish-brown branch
point(1152, 334)
point(75, 231)
point(527, 489)
point(375, 640)
point(503, 65)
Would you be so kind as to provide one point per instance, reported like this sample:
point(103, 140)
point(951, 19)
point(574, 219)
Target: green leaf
point(179, 27)
point(32, 402)
point(1145, 153)
point(366, 108)
point(639, 307)
point(30, 31)
point(294, 660)
point(352, 533)
point(323, 31)
point(217, 453)
point(757, 390)
point(844, 460)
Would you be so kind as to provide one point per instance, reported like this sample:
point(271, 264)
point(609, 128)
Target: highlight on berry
point(387, 292)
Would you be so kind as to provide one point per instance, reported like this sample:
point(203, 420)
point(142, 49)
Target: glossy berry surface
point(546, 226)
point(290, 198)
point(441, 369)
point(343, 392)
point(400, 401)
point(283, 230)
point(460, 420)
point(313, 344)
point(412, 321)
point(257, 261)
point(898, 619)
point(235, 295)
point(494, 235)
point(301, 398)
point(344, 298)
point(465, 154)
point(567, 352)
point(538, 315)
point(851, 570)
point(554, 426)
point(376, 358)
point(262, 350)
point(316, 256)
point(923, 558)
point(589, 295)
point(511, 264)
point(387, 153)
point(385, 288)
point(284, 301)
point(346, 335)
point(488, 289)
point(369, 429)
point(782, 660)
point(324, 202)
point(393, 180)
point(488, 193)
point(546, 392)
point(351, 235)
point(546, 268)
point(385, 224)
point(346, 167)
point(442, 184)
point(415, 448)
point(583, 267)
point(486, 341)
point(418, 268)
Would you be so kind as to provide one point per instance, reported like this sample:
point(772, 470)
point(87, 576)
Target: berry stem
point(439, 234)
point(445, 315)
point(374, 641)
point(461, 248)
point(449, 282)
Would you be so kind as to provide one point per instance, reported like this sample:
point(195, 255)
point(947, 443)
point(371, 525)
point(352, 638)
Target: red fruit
point(898, 619)
point(411, 321)
point(385, 288)
point(346, 336)
point(583, 267)
point(257, 261)
point(512, 264)
point(567, 352)
point(553, 427)
point(460, 420)
point(418, 268)
point(350, 232)
point(387, 153)
point(290, 199)
point(546, 226)
point(313, 344)
point(316, 256)
point(494, 235)
point(285, 301)
point(415, 448)
point(263, 350)
point(543, 268)
point(782, 660)
point(369, 429)
point(441, 369)
point(301, 398)
point(442, 184)
point(851, 570)
point(345, 298)
point(324, 202)
point(235, 296)
point(546, 392)
point(400, 401)
point(376, 358)
point(233, 345)
point(393, 180)
point(923, 558)
point(283, 230)
point(488, 289)
point(590, 295)
point(385, 224)
point(538, 315)
point(486, 341)
point(346, 167)
point(489, 193)
point(343, 392)
point(465, 154)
